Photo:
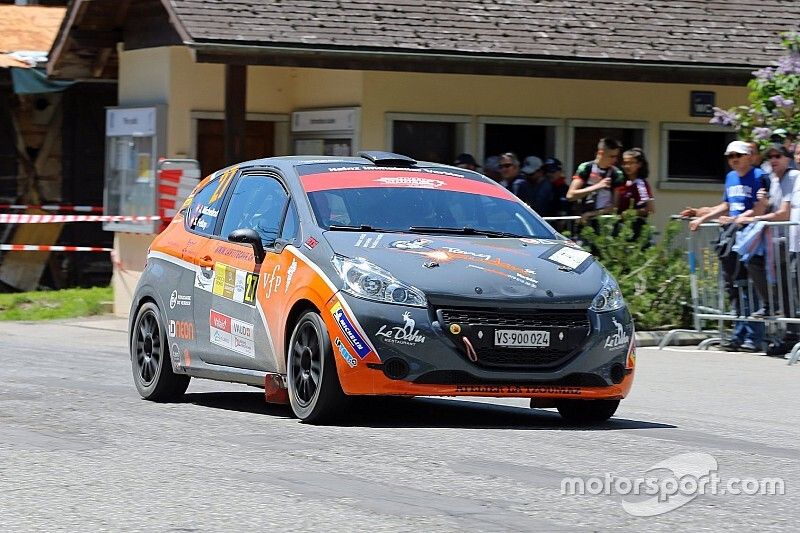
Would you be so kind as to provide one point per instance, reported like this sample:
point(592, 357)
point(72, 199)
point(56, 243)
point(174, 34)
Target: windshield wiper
point(466, 230)
point(361, 227)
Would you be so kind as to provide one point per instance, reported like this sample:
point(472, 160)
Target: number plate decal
point(516, 338)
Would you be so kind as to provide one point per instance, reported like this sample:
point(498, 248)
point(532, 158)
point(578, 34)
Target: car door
point(234, 332)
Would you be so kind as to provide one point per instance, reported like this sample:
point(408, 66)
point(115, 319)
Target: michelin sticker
point(349, 331)
point(405, 334)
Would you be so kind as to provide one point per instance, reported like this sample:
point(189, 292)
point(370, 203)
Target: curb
point(653, 338)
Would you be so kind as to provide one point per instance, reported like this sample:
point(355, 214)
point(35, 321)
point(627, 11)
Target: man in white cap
point(741, 194)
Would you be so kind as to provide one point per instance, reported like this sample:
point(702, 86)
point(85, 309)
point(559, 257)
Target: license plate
point(521, 338)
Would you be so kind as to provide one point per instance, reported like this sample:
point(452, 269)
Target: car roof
point(375, 159)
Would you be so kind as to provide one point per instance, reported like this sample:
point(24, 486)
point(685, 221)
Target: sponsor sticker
point(176, 299)
point(204, 279)
point(405, 334)
point(416, 182)
point(290, 274)
point(234, 252)
point(231, 333)
point(618, 339)
point(349, 331)
point(231, 283)
point(351, 361)
point(569, 257)
point(181, 329)
point(311, 243)
point(519, 389)
point(272, 281)
point(364, 241)
point(416, 244)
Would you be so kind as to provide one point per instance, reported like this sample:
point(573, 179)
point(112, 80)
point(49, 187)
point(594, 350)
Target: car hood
point(480, 271)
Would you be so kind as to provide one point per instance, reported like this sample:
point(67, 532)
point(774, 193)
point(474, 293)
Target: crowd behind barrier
point(765, 295)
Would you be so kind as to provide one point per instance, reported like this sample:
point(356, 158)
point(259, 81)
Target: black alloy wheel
point(314, 390)
point(150, 362)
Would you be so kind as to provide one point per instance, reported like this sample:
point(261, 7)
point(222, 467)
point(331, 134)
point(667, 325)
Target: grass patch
point(49, 305)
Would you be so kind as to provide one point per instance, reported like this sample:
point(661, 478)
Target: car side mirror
point(251, 237)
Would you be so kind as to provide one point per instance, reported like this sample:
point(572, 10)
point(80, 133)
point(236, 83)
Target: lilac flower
point(765, 74)
point(722, 117)
point(788, 64)
point(759, 134)
point(780, 101)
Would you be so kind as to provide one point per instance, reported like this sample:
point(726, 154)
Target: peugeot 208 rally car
point(323, 278)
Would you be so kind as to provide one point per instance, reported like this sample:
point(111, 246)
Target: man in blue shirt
point(741, 194)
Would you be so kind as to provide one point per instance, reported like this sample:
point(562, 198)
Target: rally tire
point(150, 358)
point(587, 412)
point(315, 393)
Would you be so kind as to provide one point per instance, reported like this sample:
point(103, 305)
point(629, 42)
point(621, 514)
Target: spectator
point(741, 194)
point(756, 159)
point(594, 181)
point(553, 172)
point(790, 301)
point(636, 192)
point(491, 167)
point(466, 161)
point(540, 188)
point(512, 178)
point(782, 181)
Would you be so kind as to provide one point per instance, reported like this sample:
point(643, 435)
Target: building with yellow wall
point(430, 81)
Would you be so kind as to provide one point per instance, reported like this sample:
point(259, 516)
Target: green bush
point(653, 277)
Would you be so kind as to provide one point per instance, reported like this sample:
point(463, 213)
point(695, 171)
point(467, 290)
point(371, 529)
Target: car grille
point(513, 319)
point(573, 324)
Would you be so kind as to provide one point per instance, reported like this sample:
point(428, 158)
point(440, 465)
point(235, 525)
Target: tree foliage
point(654, 278)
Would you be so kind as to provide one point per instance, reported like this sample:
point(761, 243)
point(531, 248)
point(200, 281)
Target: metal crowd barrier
point(568, 225)
point(711, 249)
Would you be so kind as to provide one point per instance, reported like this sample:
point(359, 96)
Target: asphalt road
point(80, 451)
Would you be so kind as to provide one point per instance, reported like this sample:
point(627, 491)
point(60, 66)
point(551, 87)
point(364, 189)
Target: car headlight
point(610, 297)
point(366, 280)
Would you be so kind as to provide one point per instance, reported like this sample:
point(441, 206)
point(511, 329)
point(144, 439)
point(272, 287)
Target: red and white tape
point(51, 248)
point(6, 218)
point(56, 207)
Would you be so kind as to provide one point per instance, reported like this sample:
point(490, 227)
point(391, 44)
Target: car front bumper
point(418, 352)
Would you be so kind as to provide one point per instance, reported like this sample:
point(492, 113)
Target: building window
point(522, 136)
point(434, 138)
point(266, 135)
point(584, 135)
point(695, 153)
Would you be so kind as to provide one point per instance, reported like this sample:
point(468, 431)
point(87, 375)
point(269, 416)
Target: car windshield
point(424, 210)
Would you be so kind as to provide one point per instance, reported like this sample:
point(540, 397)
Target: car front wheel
point(586, 412)
point(314, 390)
point(152, 370)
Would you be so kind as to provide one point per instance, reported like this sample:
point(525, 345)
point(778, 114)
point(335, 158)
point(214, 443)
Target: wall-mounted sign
point(136, 121)
point(325, 120)
point(702, 104)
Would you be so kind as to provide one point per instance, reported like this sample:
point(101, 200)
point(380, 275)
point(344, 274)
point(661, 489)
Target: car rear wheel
point(314, 390)
point(587, 411)
point(152, 370)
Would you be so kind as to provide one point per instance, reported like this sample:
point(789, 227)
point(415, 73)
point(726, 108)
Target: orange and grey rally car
point(322, 278)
